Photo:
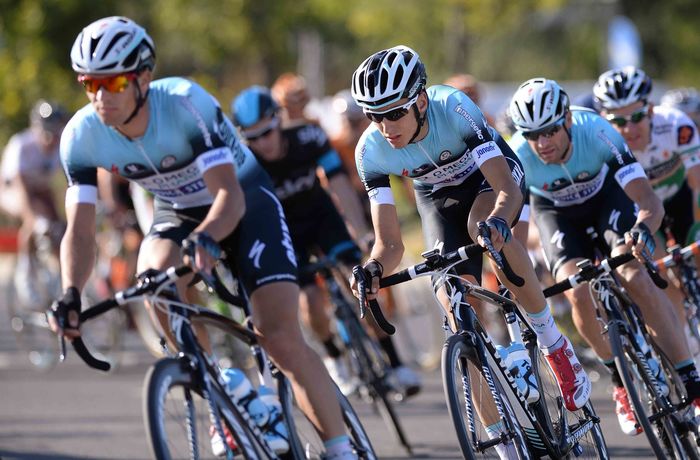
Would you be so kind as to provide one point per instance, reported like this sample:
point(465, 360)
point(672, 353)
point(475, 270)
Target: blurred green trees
point(229, 44)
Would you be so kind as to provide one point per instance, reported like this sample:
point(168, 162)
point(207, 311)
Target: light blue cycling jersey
point(187, 134)
point(459, 141)
point(597, 150)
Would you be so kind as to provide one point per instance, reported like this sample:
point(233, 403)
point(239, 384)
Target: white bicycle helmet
point(387, 76)
point(684, 99)
point(112, 45)
point(538, 103)
point(621, 87)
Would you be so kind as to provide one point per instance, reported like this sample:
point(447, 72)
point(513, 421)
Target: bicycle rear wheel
point(592, 444)
point(178, 418)
point(466, 391)
point(305, 441)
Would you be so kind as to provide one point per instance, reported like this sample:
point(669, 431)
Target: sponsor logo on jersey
point(475, 127)
point(404, 172)
point(482, 150)
point(167, 161)
point(444, 155)
point(583, 175)
point(291, 187)
point(311, 133)
point(215, 157)
point(685, 134)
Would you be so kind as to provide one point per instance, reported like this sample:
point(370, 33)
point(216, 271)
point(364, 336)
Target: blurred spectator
point(684, 99)
point(469, 85)
point(291, 93)
point(353, 123)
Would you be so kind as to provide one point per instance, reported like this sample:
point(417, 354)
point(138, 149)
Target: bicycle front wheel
point(470, 401)
point(640, 394)
point(592, 444)
point(178, 418)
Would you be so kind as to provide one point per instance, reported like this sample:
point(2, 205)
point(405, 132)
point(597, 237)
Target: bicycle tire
point(457, 354)
point(304, 440)
point(163, 416)
point(592, 444)
point(373, 369)
point(630, 379)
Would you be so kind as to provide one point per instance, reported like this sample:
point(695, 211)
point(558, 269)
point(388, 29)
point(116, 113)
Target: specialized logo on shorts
point(255, 253)
point(614, 218)
point(557, 239)
point(286, 237)
point(685, 134)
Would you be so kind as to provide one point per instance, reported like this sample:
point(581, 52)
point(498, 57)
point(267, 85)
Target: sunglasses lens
point(393, 115)
point(546, 132)
point(619, 121)
point(637, 117)
point(115, 84)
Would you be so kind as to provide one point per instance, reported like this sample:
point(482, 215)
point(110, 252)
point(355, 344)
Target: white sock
point(339, 449)
point(544, 326)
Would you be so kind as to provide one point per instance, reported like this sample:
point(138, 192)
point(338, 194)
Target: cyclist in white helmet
point(580, 173)
point(686, 100)
point(171, 137)
point(464, 173)
point(29, 166)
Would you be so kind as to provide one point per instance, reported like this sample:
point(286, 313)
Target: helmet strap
point(140, 100)
point(419, 119)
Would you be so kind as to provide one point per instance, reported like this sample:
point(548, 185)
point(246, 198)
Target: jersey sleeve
point(212, 136)
point(76, 150)
point(373, 176)
point(622, 163)
point(472, 127)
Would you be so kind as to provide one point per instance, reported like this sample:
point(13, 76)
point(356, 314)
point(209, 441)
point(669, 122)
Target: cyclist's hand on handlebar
point(373, 271)
point(639, 239)
point(201, 251)
point(64, 314)
point(500, 232)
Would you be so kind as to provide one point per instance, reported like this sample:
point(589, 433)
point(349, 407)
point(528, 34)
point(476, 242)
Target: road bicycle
point(667, 420)
point(367, 361)
point(475, 377)
point(28, 300)
point(681, 261)
point(184, 393)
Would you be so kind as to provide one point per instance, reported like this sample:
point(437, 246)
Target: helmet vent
point(112, 42)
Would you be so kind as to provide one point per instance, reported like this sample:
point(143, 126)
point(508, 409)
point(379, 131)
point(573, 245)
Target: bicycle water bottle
point(275, 431)
point(240, 389)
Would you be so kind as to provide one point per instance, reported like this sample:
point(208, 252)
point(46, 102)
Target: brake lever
point(485, 234)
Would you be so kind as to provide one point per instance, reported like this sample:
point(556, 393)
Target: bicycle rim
point(592, 444)
point(178, 421)
point(305, 441)
point(466, 392)
point(635, 387)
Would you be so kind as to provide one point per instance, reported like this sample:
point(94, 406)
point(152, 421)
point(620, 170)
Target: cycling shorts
point(445, 212)
point(260, 248)
point(322, 232)
point(563, 229)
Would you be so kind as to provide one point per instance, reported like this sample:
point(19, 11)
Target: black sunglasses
point(392, 115)
point(634, 118)
point(547, 132)
point(262, 132)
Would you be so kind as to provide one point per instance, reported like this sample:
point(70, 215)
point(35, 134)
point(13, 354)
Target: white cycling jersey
point(23, 155)
point(674, 148)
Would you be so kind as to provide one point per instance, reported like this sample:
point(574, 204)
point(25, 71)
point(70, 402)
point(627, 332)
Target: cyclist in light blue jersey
point(464, 173)
point(580, 173)
point(171, 137)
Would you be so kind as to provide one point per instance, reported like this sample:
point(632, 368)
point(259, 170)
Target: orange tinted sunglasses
point(113, 84)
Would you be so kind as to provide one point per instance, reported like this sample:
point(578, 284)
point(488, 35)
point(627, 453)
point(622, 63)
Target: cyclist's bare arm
point(78, 249)
point(227, 209)
point(388, 245)
point(508, 194)
point(651, 210)
point(350, 206)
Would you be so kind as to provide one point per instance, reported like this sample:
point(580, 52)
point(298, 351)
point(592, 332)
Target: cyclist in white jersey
point(664, 140)
point(171, 137)
point(464, 173)
point(29, 166)
point(686, 100)
point(580, 173)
